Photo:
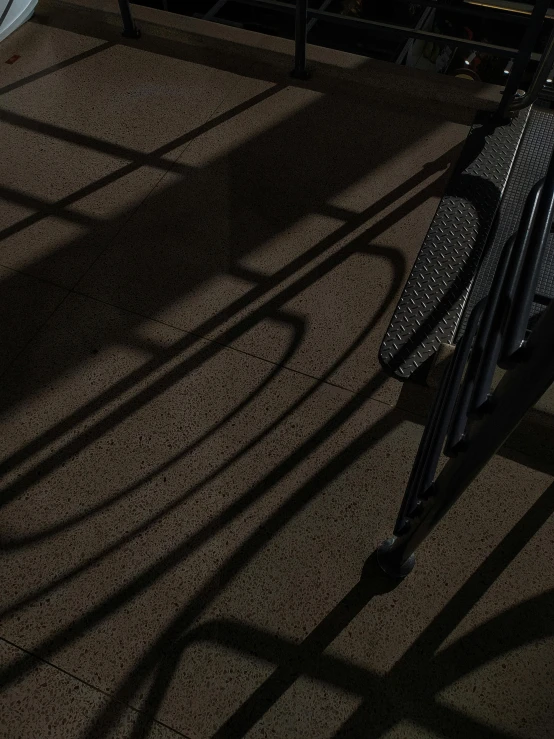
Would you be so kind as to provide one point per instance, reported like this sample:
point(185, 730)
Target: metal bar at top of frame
point(403, 32)
point(214, 10)
point(300, 40)
point(505, 52)
point(325, 4)
point(499, 14)
point(495, 14)
point(507, 5)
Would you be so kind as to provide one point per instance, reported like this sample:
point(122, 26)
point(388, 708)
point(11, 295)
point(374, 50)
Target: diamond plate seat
point(431, 307)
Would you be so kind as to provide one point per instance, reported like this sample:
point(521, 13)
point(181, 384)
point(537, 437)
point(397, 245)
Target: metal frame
point(469, 421)
point(539, 80)
point(523, 57)
point(305, 19)
point(130, 29)
point(300, 40)
point(424, 17)
point(433, 302)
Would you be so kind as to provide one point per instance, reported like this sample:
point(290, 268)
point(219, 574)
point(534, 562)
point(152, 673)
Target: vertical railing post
point(521, 61)
point(517, 392)
point(300, 39)
point(129, 28)
point(483, 422)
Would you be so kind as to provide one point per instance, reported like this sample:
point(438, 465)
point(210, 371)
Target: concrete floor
point(199, 449)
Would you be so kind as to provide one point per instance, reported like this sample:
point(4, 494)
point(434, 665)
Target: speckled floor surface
point(199, 450)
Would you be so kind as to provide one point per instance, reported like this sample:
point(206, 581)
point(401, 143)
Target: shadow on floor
point(408, 691)
point(308, 190)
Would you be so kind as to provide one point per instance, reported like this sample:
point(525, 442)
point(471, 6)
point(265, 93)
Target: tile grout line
point(35, 333)
point(234, 349)
point(72, 289)
point(57, 66)
point(90, 685)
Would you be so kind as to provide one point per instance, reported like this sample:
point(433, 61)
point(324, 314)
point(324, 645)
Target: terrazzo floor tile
point(184, 524)
point(49, 703)
point(40, 51)
point(187, 525)
point(292, 235)
point(25, 305)
point(464, 647)
point(100, 133)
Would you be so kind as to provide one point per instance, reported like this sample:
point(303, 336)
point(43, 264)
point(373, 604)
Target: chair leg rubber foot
point(388, 561)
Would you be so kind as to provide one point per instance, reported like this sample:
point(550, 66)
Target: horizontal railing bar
point(389, 29)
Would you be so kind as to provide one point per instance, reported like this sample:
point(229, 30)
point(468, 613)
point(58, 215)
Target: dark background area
point(499, 30)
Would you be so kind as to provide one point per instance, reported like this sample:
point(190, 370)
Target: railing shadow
point(273, 305)
point(316, 440)
point(395, 696)
point(303, 271)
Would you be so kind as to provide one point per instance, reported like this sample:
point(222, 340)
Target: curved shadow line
point(254, 543)
point(210, 590)
point(274, 303)
point(255, 293)
point(461, 284)
point(398, 262)
point(94, 560)
point(517, 622)
point(13, 543)
point(165, 644)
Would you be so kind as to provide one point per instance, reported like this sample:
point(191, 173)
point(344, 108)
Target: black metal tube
point(523, 238)
point(497, 14)
point(325, 4)
point(520, 309)
point(516, 257)
point(475, 369)
point(491, 345)
point(214, 10)
point(517, 392)
point(436, 428)
point(403, 32)
point(486, 351)
point(521, 61)
point(300, 40)
point(539, 79)
point(129, 28)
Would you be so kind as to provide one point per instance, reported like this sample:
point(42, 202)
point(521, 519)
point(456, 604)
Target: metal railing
point(306, 17)
point(537, 87)
point(469, 420)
